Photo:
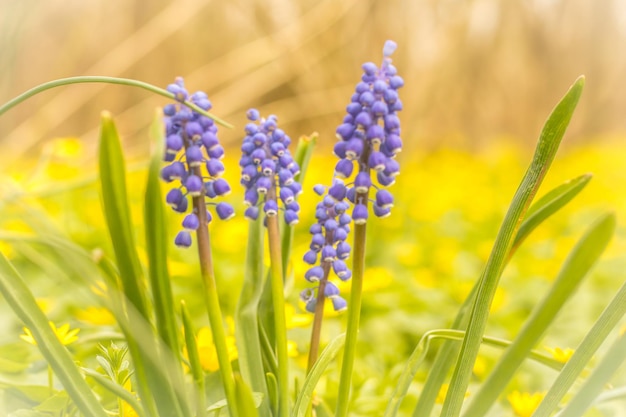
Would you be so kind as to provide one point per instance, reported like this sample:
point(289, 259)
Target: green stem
point(278, 301)
point(354, 313)
point(50, 381)
point(107, 80)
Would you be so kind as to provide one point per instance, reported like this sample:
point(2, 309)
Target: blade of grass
point(549, 142)
point(547, 205)
point(246, 316)
point(609, 318)
point(577, 265)
point(194, 362)
point(597, 380)
point(116, 389)
point(245, 399)
point(23, 303)
point(306, 393)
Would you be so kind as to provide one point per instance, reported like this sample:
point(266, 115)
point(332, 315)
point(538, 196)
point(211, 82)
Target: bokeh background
point(481, 76)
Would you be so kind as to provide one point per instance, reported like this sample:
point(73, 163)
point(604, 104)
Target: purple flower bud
point(252, 213)
point(328, 253)
point(379, 86)
point(310, 257)
point(319, 189)
point(277, 149)
point(310, 305)
point(293, 206)
point(362, 182)
point(209, 189)
point(351, 195)
point(330, 224)
point(340, 149)
point(169, 110)
point(174, 197)
point(344, 219)
point(346, 276)
point(191, 222)
point(249, 172)
point(258, 155)
point(263, 184)
point(291, 217)
point(381, 211)
point(345, 130)
point(342, 206)
point(216, 152)
point(314, 274)
point(354, 109)
point(384, 180)
point(380, 109)
point(392, 168)
point(307, 294)
point(331, 290)
point(359, 214)
point(251, 129)
point(315, 229)
point(321, 214)
point(354, 148)
point(396, 82)
point(194, 156)
point(339, 304)
point(259, 139)
point(370, 69)
point(393, 143)
point(363, 119)
point(317, 241)
point(286, 161)
point(392, 122)
point(343, 250)
point(194, 185)
point(174, 143)
point(295, 188)
point(340, 268)
point(209, 140)
point(286, 195)
point(221, 187)
point(389, 48)
point(253, 114)
point(225, 211)
point(183, 239)
point(270, 208)
point(377, 161)
point(247, 147)
point(328, 202)
point(340, 235)
point(268, 167)
point(344, 168)
point(285, 177)
point(193, 130)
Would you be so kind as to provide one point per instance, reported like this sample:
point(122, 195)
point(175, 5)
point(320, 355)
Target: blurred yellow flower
point(561, 355)
point(207, 352)
point(292, 349)
point(524, 404)
point(95, 315)
point(294, 319)
point(63, 333)
point(441, 396)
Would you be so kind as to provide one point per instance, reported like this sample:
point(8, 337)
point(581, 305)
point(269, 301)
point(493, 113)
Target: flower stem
point(107, 80)
point(354, 313)
point(50, 381)
point(278, 301)
point(317, 319)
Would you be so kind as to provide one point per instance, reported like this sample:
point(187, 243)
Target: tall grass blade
point(23, 303)
point(549, 142)
point(578, 264)
point(194, 362)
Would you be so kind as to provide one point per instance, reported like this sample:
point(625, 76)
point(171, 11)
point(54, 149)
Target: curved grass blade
point(547, 205)
point(194, 362)
point(246, 404)
point(306, 393)
point(549, 141)
point(23, 303)
point(579, 262)
point(421, 350)
point(116, 389)
point(597, 380)
point(609, 318)
point(246, 316)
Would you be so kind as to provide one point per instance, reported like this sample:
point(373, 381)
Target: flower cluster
point(268, 170)
point(194, 155)
point(329, 242)
point(370, 135)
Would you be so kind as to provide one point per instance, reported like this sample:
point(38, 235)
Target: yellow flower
point(207, 352)
point(524, 404)
point(561, 355)
point(63, 333)
point(95, 315)
point(294, 319)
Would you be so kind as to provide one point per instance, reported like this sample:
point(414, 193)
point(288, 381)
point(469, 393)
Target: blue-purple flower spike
point(328, 245)
point(370, 135)
point(268, 170)
point(194, 156)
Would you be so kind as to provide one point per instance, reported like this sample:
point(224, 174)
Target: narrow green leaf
point(194, 361)
point(549, 141)
point(577, 265)
point(597, 380)
point(246, 316)
point(117, 390)
point(306, 394)
point(23, 303)
point(609, 318)
point(547, 205)
point(156, 247)
point(246, 404)
point(117, 213)
point(272, 389)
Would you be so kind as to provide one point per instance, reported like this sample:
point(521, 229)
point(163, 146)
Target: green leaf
point(257, 397)
point(246, 316)
point(578, 264)
point(55, 403)
point(246, 402)
point(549, 141)
point(116, 390)
point(23, 303)
point(194, 361)
point(272, 389)
point(547, 205)
point(306, 393)
point(117, 213)
point(597, 380)
point(609, 318)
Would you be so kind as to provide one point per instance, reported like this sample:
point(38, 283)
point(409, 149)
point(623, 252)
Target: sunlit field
point(312, 209)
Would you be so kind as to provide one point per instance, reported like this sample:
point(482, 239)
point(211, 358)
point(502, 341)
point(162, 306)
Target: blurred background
point(475, 70)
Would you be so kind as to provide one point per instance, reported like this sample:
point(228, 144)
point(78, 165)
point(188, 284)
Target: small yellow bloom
point(63, 333)
point(294, 319)
point(96, 315)
point(561, 355)
point(292, 349)
point(207, 352)
point(524, 404)
point(441, 396)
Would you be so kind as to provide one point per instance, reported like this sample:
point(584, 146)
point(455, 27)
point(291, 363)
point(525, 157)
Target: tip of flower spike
point(253, 114)
point(389, 48)
point(183, 239)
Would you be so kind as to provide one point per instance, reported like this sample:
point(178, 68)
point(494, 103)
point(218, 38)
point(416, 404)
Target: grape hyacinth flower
point(194, 155)
point(370, 136)
point(268, 170)
point(328, 244)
